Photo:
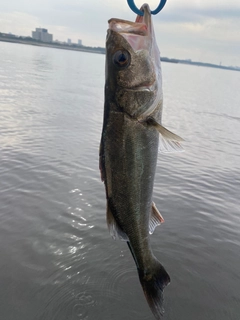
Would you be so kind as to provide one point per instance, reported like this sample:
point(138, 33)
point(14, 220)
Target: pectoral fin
point(155, 219)
point(115, 230)
point(169, 141)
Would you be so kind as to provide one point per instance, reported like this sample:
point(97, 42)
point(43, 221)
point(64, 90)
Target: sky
point(201, 30)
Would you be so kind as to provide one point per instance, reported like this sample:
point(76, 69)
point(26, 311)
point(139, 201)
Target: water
point(58, 261)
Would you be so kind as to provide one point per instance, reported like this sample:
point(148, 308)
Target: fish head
point(133, 68)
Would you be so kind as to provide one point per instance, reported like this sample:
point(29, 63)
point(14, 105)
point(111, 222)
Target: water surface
point(58, 261)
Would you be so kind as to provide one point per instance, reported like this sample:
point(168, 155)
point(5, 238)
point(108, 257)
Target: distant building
point(42, 35)
point(80, 42)
point(8, 35)
point(69, 41)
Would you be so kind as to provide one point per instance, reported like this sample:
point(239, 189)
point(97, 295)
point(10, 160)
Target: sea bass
point(130, 142)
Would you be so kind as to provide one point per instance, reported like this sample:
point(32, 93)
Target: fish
point(132, 137)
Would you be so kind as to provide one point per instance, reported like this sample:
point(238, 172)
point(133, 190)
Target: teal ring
point(140, 13)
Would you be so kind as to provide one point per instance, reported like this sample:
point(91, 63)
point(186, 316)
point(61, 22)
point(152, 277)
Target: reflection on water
point(57, 258)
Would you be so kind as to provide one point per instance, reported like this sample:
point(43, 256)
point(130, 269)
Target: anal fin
point(156, 219)
point(115, 230)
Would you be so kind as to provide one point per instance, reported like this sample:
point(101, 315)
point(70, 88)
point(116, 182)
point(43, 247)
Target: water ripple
point(58, 261)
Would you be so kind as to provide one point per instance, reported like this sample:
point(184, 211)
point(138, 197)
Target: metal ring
point(140, 13)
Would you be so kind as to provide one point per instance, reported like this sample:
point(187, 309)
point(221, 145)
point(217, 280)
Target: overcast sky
point(202, 30)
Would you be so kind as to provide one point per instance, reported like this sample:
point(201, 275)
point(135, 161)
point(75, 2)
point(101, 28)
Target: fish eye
point(121, 58)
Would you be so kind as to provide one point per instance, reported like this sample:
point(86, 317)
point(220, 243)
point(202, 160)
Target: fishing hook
point(140, 13)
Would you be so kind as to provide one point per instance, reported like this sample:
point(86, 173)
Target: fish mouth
point(139, 33)
point(146, 18)
point(151, 87)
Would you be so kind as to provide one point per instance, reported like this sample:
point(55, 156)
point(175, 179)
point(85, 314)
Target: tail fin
point(153, 282)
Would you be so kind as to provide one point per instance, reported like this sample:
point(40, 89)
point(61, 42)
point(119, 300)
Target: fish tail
point(153, 282)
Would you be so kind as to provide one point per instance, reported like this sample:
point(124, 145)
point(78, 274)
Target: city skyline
point(43, 38)
point(200, 30)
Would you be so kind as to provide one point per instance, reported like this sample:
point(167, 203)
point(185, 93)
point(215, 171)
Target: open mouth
point(136, 33)
point(128, 27)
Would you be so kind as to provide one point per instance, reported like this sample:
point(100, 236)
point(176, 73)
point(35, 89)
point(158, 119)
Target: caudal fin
point(153, 282)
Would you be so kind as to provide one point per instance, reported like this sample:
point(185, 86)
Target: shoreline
point(52, 45)
point(99, 50)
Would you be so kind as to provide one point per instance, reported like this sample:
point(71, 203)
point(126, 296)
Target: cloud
point(209, 41)
point(18, 23)
point(197, 29)
point(205, 31)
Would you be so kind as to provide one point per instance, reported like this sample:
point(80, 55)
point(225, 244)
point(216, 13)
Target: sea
point(57, 259)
